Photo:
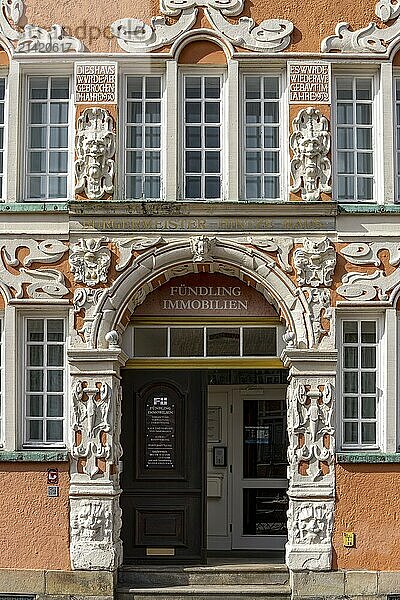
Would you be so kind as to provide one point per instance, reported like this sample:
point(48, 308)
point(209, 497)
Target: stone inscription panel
point(309, 82)
point(160, 433)
point(204, 224)
point(96, 83)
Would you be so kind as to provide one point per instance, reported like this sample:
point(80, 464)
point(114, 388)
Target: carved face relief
point(89, 261)
point(315, 262)
point(95, 148)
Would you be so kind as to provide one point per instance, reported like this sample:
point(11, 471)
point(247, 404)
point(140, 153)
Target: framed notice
point(214, 425)
point(309, 81)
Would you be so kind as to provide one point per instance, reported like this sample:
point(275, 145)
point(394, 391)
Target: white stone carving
point(133, 35)
point(282, 246)
point(202, 248)
point(366, 286)
point(289, 338)
point(362, 253)
point(91, 418)
point(310, 420)
point(370, 38)
point(90, 261)
point(315, 262)
point(47, 252)
point(112, 338)
point(319, 301)
point(312, 523)
point(310, 143)
point(95, 523)
point(85, 298)
point(126, 248)
point(95, 149)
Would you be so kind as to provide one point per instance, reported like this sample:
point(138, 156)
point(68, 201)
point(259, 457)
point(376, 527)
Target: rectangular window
point(143, 138)
point(354, 139)
point(262, 123)
point(202, 137)
point(48, 137)
point(2, 111)
point(360, 410)
point(44, 381)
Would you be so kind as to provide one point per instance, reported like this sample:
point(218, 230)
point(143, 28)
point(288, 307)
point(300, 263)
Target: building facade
point(200, 284)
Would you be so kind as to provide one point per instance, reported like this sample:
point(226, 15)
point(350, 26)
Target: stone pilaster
point(95, 514)
point(311, 451)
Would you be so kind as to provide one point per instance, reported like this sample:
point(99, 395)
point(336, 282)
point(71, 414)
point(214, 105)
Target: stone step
point(222, 575)
point(212, 592)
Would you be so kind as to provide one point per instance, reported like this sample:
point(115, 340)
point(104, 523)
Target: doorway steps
point(233, 582)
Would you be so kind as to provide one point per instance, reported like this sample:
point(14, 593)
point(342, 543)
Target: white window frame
point(381, 362)
point(396, 146)
point(23, 372)
point(4, 74)
point(377, 143)
point(154, 71)
point(37, 72)
point(283, 133)
point(203, 71)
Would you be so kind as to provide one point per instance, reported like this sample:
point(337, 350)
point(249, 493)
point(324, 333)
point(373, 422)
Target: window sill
point(34, 456)
point(367, 208)
point(22, 207)
point(362, 457)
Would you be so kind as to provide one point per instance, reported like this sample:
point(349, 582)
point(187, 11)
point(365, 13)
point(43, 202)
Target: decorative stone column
point(311, 405)
point(95, 515)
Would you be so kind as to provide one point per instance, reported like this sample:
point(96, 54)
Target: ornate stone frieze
point(310, 143)
point(370, 38)
point(90, 261)
point(315, 262)
point(282, 246)
point(85, 298)
point(33, 38)
point(126, 248)
point(133, 35)
point(363, 253)
point(360, 287)
point(38, 283)
point(319, 301)
point(95, 523)
point(311, 429)
point(202, 248)
point(95, 149)
point(91, 420)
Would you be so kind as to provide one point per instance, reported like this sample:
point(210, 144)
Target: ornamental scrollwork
point(310, 143)
point(315, 262)
point(90, 261)
point(133, 35)
point(95, 149)
point(310, 523)
point(91, 418)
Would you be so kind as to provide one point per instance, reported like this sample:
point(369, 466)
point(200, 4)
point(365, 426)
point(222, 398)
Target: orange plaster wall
point(34, 529)
point(368, 503)
point(313, 19)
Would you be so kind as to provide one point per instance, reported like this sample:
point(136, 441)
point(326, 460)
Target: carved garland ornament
point(310, 143)
point(33, 38)
point(370, 38)
point(95, 149)
point(133, 35)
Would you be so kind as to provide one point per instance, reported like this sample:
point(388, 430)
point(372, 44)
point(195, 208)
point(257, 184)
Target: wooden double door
point(163, 436)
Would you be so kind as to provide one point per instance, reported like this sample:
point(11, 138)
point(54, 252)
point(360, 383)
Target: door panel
point(163, 466)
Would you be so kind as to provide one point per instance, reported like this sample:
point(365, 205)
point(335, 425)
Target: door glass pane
point(264, 439)
point(224, 341)
point(186, 341)
point(264, 511)
point(150, 341)
point(259, 341)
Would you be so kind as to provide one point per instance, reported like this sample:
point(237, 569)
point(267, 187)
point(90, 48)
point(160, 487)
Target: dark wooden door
point(163, 478)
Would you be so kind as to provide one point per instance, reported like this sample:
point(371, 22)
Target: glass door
point(259, 469)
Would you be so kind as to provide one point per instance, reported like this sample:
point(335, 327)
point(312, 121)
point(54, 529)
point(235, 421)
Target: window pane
point(153, 87)
point(351, 407)
point(350, 332)
point(223, 341)
point(368, 332)
point(368, 410)
point(368, 383)
point(150, 341)
point(35, 406)
point(55, 330)
point(368, 433)
point(38, 88)
point(351, 382)
point(54, 431)
point(55, 381)
point(35, 356)
point(35, 330)
point(193, 87)
point(253, 87)
point(59, 88)
point(350, 433)
point(344, 88)
point(55, 356)
point(212, 187)
point(368, 357)
point(134, 87)
point(35, 431)
point(186, 341)
point(259, 341)
point(55, 406)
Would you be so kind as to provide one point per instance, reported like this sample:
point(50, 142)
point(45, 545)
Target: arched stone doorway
point(95, 371)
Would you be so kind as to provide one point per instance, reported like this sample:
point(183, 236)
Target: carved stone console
point(95, 515)
point(311, 451)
